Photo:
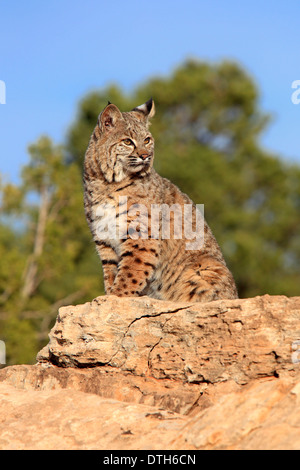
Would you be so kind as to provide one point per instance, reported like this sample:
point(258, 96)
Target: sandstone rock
point(170, 395)
point(138, 373)
point(263, 415)
point(239, 339)
point(68, 419)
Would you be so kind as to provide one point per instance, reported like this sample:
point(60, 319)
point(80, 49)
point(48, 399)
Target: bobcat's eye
point(128, 142)
point(147, 140)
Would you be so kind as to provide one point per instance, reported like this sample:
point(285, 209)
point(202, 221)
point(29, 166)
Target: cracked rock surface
point(160, 375)
point(194, 343)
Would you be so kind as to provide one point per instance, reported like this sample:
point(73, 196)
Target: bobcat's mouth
point(139, 162)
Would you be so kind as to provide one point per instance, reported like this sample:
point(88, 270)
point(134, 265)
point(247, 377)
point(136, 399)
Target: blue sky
point(52, 53)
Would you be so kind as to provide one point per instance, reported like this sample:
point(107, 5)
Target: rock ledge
point(138, 373)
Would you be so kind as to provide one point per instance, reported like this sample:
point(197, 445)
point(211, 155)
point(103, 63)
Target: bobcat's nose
point(143, 156)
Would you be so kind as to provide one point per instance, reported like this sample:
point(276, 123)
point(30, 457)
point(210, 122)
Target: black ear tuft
point(108, 103)
point(147, 109)
point(149, 105)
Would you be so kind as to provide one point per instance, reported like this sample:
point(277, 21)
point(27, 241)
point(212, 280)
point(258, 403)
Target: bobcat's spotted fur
point(119, 165)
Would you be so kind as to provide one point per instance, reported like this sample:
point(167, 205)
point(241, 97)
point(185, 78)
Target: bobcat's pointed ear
point(109, 117)
point(147, 109)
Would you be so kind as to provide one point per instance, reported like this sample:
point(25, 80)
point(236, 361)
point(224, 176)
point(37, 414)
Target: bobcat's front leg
point(110, 263)
point(136, 267)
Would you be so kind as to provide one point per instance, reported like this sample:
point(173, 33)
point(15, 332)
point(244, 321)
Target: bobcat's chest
point(108, 225)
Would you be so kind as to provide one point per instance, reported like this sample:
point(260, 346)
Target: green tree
point(46, 249)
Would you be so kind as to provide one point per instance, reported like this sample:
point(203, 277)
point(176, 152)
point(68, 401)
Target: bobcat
point(121, 183)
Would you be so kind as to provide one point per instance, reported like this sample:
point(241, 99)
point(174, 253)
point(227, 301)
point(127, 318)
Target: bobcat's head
point(124, 146)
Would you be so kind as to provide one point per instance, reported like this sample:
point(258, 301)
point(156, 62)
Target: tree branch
point(30, 275)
